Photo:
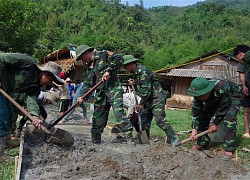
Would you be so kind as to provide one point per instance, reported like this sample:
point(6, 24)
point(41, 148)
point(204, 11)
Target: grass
point(180, 120)
point(7, 168)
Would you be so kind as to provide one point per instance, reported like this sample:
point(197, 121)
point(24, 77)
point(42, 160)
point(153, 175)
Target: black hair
point(240, 48)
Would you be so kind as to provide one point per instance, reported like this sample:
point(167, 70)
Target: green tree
point(20, 26)
point(159, 36)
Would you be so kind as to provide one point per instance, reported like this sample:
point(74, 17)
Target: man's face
point(46, 79)
point(204, 97)
point(87, 57)
point(129, 67)
point(240, 57)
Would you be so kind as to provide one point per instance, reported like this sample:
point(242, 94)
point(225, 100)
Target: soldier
point(108, 94)
point(153, 98)
point(20, 74)
point(216, 98)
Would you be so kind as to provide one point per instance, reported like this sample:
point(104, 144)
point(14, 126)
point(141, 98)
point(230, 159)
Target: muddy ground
point(108, 161)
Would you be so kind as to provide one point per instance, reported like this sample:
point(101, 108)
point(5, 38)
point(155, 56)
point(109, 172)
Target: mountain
point(243, 5)
point(159, 37)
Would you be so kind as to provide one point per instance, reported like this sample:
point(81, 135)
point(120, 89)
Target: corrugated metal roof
point(194, 73)
point(204, 57)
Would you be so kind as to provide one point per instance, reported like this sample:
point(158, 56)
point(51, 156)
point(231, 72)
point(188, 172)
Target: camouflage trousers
point(101, 113)
point(158, 111)
point(230, 124)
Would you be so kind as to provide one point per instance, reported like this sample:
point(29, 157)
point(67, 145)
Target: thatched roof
point(68, 64)
point(63, 58)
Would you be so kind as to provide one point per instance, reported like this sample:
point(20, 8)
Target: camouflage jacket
point(148, 86)
point(103, 62)
point(219, 101)
point(19, 78)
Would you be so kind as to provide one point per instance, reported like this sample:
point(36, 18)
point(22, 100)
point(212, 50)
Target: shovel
point(142, 135)
point(56, 136)
point(190, 138)
point(74, 105)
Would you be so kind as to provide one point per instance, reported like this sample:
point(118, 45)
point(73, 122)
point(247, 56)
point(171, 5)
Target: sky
point(153, 3)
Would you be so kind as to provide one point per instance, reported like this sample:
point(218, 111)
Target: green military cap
point(128, 59)
point(200, 86)
point(82, 49)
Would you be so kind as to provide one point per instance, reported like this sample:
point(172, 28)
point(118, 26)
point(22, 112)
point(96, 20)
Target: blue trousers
point(6, 113)
point(84, 109)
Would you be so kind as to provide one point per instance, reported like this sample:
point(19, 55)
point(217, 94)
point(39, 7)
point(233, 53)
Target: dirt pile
point(84, 160)
point(122, 161)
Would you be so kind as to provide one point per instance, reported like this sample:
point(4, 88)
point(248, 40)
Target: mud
point(84, 160)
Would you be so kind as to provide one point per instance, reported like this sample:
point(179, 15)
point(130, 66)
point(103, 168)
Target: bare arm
point(243, 83)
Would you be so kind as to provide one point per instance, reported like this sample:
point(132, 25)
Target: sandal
point(227, 155)
point(246, 135)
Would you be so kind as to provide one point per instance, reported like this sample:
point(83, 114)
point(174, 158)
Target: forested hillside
point(159, 36)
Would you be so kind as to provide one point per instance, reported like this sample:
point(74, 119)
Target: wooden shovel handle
point(22, 109)
point(198, 135)
point(133, 88)
point(75, 104)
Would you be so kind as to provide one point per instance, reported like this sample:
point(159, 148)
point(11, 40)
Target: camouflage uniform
point(153, 99)
point(222, 104)
point(18, 74)
point(107, 94)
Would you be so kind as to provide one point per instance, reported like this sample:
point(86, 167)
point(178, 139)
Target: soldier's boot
point(171, 136)
point(96, 138)
point(124, 126)
point(148, 133)
point(119, 139)
point(9, 143)
point(3, 156)
point(124, 137)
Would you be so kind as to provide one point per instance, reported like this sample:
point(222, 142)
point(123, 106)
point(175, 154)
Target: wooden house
point(65, 57)
point(177, 79)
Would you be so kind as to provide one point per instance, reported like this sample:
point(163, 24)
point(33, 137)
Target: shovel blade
point(143, 138)
point(61, 138)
